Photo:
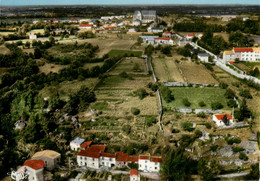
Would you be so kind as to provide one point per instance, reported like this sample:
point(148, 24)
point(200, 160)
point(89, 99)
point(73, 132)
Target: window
point(81, 157)
point(155, 168)
point(140, 165)
point(145, 167)
point(93, 159)
point(145, 161)
point(156, 163)
point(85, 158)
point(110, 159)
point(103, 158)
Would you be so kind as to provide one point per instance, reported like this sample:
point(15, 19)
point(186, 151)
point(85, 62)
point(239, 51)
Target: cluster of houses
point(242, 54)
point(33, 169)
point(94, 156)
point(156, 40)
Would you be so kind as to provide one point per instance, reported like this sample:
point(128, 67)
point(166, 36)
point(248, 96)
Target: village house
point(75, 144)
point(20, 124)
point(51, 158)
point(88, 159)
point(74, 21)
point(242, 54)
point(163, 41)
point(183, 42)
point(134, 175)
point(189, 36)
point(34, 170)
point(203, 57)
point(32, 37)
point(55, 20)
point(167, 34)
point(108, 159)
point(154, 30)
point(147, 163)
point(85, 26)
point(132, 30)
point(218, 119)
point(148, 39)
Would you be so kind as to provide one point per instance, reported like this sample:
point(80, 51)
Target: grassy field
point(247, 66)
point(41, 31)
point(5, 33)
point(196, 73)
point(4, 50)
point(131, 65)
point(49, 67)
point(195, 95)
point(123, 52)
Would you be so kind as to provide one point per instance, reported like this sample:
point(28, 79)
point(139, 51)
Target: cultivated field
point(195, 95)
point(196, 73)
point(49, 67)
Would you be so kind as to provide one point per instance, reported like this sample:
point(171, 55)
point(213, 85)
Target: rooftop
point(86, 144)
point(34, 164)
point(228, 52)
point(46, 153)
point(78, 140)
point(221, 116)
point(133, 172)
point(97, 148)
point(243, 49)
point(88, 153)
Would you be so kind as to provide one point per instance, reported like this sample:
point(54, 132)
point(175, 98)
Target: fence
point(196, 111)
point(185, 84)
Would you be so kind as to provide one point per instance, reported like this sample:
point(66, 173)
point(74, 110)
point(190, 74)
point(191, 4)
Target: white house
point(132, 30)
point(149, 164)
point(218, 119)
point(32, 37)
point(163, 41)
point(134, 175)
point(189, 36)
point(154, 30)
point(108, 159)
point(167, 34)
point(242, 54)
point(203, 57)
point(88, 159)
point(75, 144)
point(34, 169)
point(148, 39)
point(85, 26)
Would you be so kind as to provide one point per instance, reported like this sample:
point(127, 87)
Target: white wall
point(88, 162)
point(108, 162)
point(35, 175)
point(148, 166)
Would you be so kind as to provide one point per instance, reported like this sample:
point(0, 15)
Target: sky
point(114, 2)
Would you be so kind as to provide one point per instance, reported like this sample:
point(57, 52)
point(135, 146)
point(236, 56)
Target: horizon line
point(132, 5)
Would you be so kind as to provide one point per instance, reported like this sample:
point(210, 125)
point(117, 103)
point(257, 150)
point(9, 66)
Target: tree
point(135, 111)
point(186, 102)
point(27, 44)
point(254, 172)
point(177, 166)
point(166, 50)
point(187, 126)
point(208, 169)
point(216, 105)
point(226, 120)
point(52, 40)
point(202, 104)
point(166, 94)
point(37, 53)
point(245, 93)
point(141, 93)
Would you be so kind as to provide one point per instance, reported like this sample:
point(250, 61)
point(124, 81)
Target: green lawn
point(195, 95)
point(111, 81)
point(122, 52)
point(100, 106)
point(251, 64)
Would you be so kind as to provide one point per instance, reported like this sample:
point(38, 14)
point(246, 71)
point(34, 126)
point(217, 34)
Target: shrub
point(231, 103)
point(175, 130)
point(152, 86)
point(198, 133)
point(243, 156)
point(167, 94)
point(223, 85)
point(216, 105)
point(150, 121)
point(202, 104)
point(237, 149)
point(213, 147)
point(123, 75)
point(186, 102)
point(141, 93)
point(208, 126)
point(230, 94)
point(233, 140)
point(187, 126)
point(201, 115)
point(245, 93)
point(135, 111)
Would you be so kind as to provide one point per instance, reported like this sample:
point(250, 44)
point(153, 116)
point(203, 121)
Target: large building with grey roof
point(145, 16)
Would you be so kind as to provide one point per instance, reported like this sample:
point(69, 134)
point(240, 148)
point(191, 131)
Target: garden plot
point(196, 73)
point(130, 65)
point(195, 95)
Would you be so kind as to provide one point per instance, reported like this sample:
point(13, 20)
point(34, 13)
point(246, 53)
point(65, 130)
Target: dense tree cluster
point(248, 26)
point(197, 26)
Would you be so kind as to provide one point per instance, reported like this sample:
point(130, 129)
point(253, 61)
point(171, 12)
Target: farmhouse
point(222, 119)
point(32, 37)
point(167, 34)
point(34, 169)
point(51, 158)
point(155, 30)
point(190, 36)
point(134, 175)
point(163, 41)
point(75, 144)
point(242, 54)
point(147, 163)
point(85, 26)
point(203, 57)
point(145, 16)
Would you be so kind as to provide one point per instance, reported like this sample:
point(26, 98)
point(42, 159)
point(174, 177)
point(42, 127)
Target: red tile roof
point(156, 159)
point(143, 157)
point(133, 172)
point(221, 116)
point(162, 38)
point(109, 155)
point(34, 164)
point(167, 32)
point(87, 153)
point(133, 158)
point(191, 34)
point(85, 144)
point(97, 148)
point(121, 157)
point(109, 27)
point(85, 25)
point(231, 62)
point(243, 50)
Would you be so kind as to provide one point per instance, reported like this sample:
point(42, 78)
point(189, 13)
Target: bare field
point(5, 33)
point(49, 67)
point(4, 50)
point(173, 70)
point(161, 70)
point(196, 73)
